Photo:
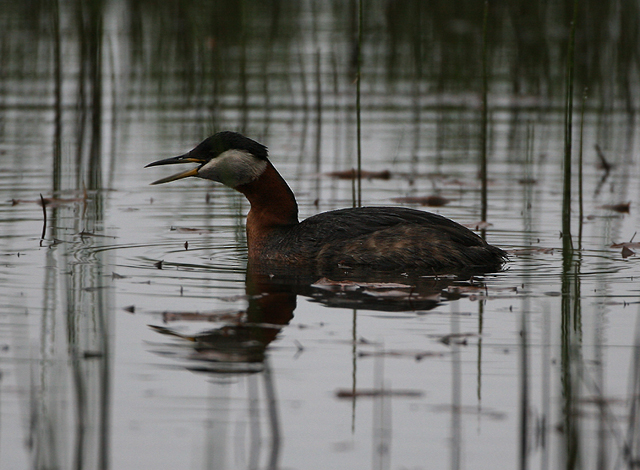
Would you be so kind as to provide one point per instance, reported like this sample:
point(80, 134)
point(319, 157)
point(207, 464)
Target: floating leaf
point(532, 250)
point(93, 355)
point(432, 201)
point(527, 181)
point(372, 393)
point(417, 355)
point(456, 338)
point(353, 174)
point(623, 208)
point(223, 315)
point(84, 233)
point(190, 230)
point(626, 252)
point(628, 245)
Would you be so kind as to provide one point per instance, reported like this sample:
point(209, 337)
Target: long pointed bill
point(177, 176)
point(186, 158)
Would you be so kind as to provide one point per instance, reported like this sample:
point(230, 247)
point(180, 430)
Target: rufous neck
point(273, 206)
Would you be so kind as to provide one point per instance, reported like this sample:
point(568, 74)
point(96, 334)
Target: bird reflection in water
point(240, 345)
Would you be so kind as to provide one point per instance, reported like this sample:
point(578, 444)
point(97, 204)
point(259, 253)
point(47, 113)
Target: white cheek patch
point(233, 168)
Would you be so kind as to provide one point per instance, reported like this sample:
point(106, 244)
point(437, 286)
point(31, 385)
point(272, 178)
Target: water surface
point(536, 366)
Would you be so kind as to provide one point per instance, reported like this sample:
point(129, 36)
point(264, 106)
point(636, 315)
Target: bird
point(372, 238)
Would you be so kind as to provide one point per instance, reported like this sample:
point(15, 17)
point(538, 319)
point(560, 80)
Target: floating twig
point(44, 213)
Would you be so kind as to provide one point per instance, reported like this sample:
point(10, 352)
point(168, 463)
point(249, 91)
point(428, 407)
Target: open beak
point(186, 158)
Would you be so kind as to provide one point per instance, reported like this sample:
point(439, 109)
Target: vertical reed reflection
point(75, 293)
point(382, 433)
point(545, 387)
point(456, 391)
point(47, 422)
point(272, 410)
point(632, 441)
point(570, 344)
point(354, 367)
point(479, 357)
point(599, 385)
point(525, 307)
point(254, 422)
point(84, 285)
point(216, 438)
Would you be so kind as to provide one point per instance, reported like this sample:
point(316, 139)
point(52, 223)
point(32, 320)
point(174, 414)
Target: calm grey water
point(537, 366)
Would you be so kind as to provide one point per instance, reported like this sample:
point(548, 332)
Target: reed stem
point(484, 119)
point(580, 167)
point(568, 123)
point(358, 117)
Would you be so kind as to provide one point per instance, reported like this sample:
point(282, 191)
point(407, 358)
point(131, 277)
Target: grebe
point(381, 238)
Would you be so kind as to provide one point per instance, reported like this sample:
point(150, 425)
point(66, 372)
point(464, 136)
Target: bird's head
point(226, 157)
